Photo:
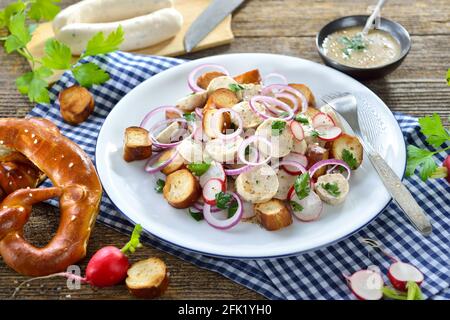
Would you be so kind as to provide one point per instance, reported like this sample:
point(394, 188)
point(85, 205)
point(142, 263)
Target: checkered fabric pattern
point(314, 275)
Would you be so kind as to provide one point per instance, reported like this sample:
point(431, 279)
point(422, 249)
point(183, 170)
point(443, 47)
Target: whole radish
point(446, 165)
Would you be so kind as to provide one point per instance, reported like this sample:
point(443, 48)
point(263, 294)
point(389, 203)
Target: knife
point(208, 20)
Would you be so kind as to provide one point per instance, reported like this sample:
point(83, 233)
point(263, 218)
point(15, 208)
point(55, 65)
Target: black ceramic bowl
point(394, 28)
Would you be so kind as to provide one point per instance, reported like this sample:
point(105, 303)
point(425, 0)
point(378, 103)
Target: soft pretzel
point(76, 184)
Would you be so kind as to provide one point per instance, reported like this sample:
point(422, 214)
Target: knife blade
point(208, 20)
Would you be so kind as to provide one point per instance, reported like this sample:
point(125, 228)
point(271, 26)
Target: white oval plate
point(132, 190)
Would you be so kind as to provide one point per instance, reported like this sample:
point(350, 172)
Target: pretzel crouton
point(204, 80)
point(137, 144)
point(223, 123)
point(252, 76)
point(350, 144)
point(273, 214)
point(222, 98)
point(182, 189)
point(176, 164)
point(76, 104)
point(148, 278)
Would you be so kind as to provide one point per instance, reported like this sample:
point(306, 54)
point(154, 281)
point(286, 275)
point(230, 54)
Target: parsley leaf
point(331, 188)
point(235, 87)
point(232, 208)
point(277, 127)
point(43, 10)
point(10, 10)
point(420, 158)
point(296, 206)
point(350, 159)
point(198, 169)
point(160, 185)
point(434, 130)
point(189, 116)
point(223, 200)
point(355, 43)
point(58, 55)
point(197, 215)
point(89, 74)
point(99, 45)
point(301, 119)
point(34, 85)
point(302, 185)
point(20, 34)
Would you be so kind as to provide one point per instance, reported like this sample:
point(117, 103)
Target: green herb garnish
point(436, 135)
point(235, 87)
point(160, 185)
point(355, 43)
point(277, 127)
point(190, 116)
point(413, 293)
point(331, 188)
point(350, 159)
point(198, 216)
point(198, 169)
point(302, 185)
point(134, 243)
point(314, 133)
point(247, 150)
point(296, 206)
point(301, 119)
point(448, 77)
point(225, 201)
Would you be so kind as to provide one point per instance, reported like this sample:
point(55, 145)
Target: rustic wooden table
point(285, 27)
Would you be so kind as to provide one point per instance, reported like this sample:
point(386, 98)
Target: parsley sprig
point(422, 159)
point(225, 201)
point(350, 159)
point(58, 56)
point(331, 188)
point(277, 127)
point(302, 185)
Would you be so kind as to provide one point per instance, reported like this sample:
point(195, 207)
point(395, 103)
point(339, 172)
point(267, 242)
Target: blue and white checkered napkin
point(315, 275)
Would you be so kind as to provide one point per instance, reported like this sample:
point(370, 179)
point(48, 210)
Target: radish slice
point(296, 157)
point(297, 130)
point(400, 273)
point(366, 285)
point(322, 120)
point(227, 223)
point(312, 206)
point(214, 171)
point(328, 133)
point(211, 188)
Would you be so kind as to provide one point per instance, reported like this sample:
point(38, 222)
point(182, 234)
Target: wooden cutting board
point(190, 9)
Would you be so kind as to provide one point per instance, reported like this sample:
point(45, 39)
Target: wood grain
point(286, 27)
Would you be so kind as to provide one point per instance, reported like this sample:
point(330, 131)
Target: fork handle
point(401, 194)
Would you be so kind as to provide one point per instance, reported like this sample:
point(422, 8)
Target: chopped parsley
point(198, 216)
point(355, 43)
point(160, 185)
point(314, 133)
point(331, 188)
point(277, 127)
point(225, 201)
point(350, 159)
point(296, 206)
point(302, 185)
point(189, 116)
point(198, 168)
point(301, 119)
point(235, 87)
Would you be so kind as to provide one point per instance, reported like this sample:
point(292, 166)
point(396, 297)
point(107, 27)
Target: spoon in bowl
point(375, 13)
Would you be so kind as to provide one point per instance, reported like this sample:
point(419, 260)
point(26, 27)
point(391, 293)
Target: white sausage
point(140, 32)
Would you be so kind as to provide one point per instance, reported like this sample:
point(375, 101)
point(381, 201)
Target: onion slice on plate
point(274, 75)
point(150, 168)
point(234, 115)
point(247, 142)
point(162, 123)
point(227, 223)
point(192, 79)
point(332, 162)
point(149, 115)
point(270, 103)
point(294, 163)
point(279, 88)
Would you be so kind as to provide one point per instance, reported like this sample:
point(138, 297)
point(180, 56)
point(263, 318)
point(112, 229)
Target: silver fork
point(346, 105)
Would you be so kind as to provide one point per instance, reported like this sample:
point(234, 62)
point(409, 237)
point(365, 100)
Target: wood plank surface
point(286, 27)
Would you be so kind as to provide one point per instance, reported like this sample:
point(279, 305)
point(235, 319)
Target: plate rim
point(209, 254)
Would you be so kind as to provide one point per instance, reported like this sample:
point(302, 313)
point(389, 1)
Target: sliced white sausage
point(250, 90)
point(192, 101)
point(168, 134)
point(282, 143)
point(285, 181)
point(332, 188)
point(223, 151)
point(140, 32)
point(249, 118)
point(220, 82)
point(192, 151)
point(257, 185)
point(300, 146)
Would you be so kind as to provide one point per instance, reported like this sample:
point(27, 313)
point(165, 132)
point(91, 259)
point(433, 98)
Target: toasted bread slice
point(222, 98)
point(76, 104)
point(223, 123)
point(273, 214)
point(137, 144)
point(181, 190)
point(306, 92)
point(349, 143)
point(204, 80)
point(252, 76)
point(176, 164)
point(148, 278)
point(316, 153)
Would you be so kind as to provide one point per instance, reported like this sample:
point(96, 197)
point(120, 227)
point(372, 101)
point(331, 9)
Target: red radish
point(310, 209)
point(328, 133)
point(322, 120)
point(214, 171)
point(297, 130)
point(400, 273)
point(212, 187)
point(446, 164)
point(297, 157)
point(366, 284)
point(107, 267)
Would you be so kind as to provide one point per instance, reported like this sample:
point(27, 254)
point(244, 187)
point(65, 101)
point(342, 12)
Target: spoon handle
point(370, 20)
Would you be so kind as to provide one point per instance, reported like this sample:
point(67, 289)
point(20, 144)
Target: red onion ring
point(289, 97)
point(148, 166)
point(215, 121)
point(199, 207)
point(281, 88)
point(199, 112)
point(192, 79)
point(275, 75)
point(156, 143)
point(247, 142)
point(237, 171)
point(265, 100)
point(328, 162)
point(224, 224)
point(295, 164)
point(156, 110)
